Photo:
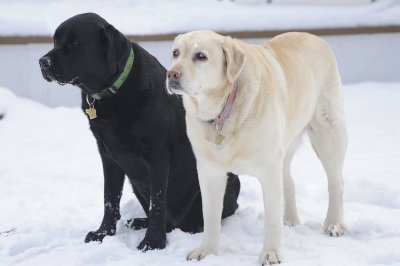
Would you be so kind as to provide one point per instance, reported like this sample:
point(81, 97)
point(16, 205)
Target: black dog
point(140, 129)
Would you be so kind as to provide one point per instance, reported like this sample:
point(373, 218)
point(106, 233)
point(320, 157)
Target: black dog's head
point(87, 53)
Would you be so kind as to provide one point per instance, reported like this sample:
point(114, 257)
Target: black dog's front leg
point(113, 184)
point(155, 237)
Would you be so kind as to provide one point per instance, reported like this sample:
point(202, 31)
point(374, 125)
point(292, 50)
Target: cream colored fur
point(287, 86)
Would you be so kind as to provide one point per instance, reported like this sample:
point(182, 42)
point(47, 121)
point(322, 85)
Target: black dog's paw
point(98, 235)
point(150, 244)
point(137, 223)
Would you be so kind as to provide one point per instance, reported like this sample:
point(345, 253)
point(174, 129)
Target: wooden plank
point(25, 39)
point(4, 40)
point(319, 2)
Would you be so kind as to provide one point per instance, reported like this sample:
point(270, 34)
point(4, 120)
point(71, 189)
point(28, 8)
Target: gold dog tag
point(91, 112)
point(219, 138)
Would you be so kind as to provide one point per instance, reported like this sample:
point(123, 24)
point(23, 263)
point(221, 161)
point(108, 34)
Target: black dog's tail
point(1, 116)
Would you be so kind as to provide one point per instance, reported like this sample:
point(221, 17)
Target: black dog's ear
point(115, 44)
point(106, 40)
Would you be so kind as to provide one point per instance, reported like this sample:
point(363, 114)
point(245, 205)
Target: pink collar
point(221, 118)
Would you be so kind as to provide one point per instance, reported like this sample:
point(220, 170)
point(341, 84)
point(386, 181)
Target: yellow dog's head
point(203, 62)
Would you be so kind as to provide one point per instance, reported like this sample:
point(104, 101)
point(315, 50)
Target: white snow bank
point(142, 17)
point(51, 194)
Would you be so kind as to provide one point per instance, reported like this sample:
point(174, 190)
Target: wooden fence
point(236, 34)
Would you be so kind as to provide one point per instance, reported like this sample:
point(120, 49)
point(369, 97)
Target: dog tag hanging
point(219, 138)
point(91, 111)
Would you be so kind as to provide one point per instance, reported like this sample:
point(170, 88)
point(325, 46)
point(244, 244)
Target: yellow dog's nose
point(174, 75)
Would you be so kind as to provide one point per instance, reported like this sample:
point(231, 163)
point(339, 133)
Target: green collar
point(116, 85)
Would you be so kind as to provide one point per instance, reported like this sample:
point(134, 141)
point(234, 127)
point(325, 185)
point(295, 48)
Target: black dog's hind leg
point(137, 223)
point(155, 237)
point(113, 184)
point(140, 223)
point(231, 195)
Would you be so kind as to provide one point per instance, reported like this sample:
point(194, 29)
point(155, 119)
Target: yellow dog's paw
point(291, 222)
point(200, 253)
point(334, 230)
point(270, 257)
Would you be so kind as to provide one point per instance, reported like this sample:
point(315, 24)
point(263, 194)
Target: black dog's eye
point(175, 53)
point(200, 57)
point(71, 46)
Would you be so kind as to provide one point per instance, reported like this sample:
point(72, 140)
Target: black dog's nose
point(44, 62)
point(174, 75)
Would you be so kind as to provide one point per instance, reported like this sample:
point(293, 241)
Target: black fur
point(140, 131)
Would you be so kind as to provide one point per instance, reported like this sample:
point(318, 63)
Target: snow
point(142, 17)
point(51, 194)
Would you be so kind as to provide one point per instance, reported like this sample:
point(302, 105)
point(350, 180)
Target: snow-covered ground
point(51, 194)
point(144, 17)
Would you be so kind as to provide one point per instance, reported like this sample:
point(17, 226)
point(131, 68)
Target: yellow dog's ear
point(235, 59)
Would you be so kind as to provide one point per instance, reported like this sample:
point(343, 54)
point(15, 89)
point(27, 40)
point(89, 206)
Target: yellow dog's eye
point(200, 57)
point(175, 53)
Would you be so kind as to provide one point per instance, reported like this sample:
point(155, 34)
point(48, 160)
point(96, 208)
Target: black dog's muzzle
point(49, 72)
point(45, 66)
point(45, 62)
